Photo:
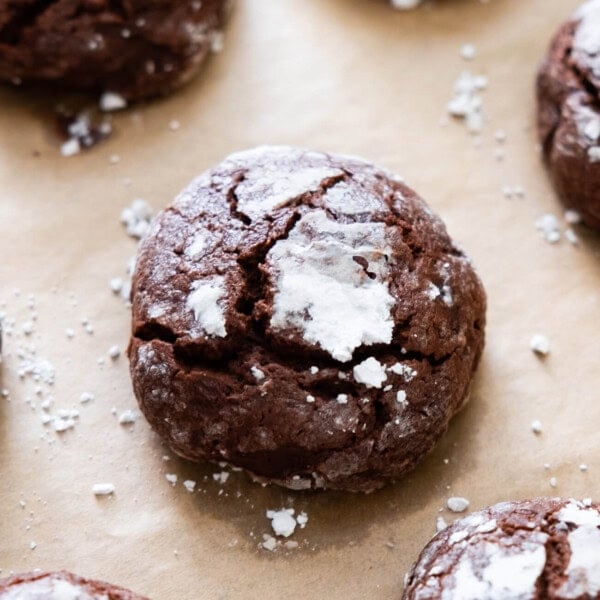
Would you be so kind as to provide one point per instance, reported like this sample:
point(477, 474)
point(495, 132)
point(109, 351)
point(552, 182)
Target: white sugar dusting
point(49, 588)
point(587, 121)
point(405, 371)
point(258, 374)
point(203, 301)
point(351, 200)
point(586, 38)
point(466, 102)
point(197, 245)
point(258, 195)
point(370, 372)
point(583, 571)
point(507, 573)
point(323, 291)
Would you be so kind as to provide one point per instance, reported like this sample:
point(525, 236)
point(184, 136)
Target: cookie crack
point(233, 200)
point(12, 32)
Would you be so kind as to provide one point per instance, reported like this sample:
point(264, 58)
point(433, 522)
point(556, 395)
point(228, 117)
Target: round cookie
point(60, 586)
point(135, 49)
point(306, 317)
point(543, 549)
point(568, 91)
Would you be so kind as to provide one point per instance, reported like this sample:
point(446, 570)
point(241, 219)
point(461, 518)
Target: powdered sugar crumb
point(370, 372)
point(466, 102)
point(457, 504)
point(203, 301)
point(540, 344)
point(325, 293)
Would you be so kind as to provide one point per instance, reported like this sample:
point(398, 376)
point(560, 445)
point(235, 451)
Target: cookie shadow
point(337, 519)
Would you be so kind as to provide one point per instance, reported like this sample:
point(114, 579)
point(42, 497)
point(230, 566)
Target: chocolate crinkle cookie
point(568, 90)
point(132, 48)
point(60, 586)
point(305, 317)
point(543, 549)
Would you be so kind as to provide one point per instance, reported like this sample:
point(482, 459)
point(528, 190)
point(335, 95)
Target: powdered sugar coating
point(203, 301)
point(322, 290)
point(495, 572)
point(587, 34)
point(583, 572)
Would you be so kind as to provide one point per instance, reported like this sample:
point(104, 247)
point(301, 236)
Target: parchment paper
point(348, 76)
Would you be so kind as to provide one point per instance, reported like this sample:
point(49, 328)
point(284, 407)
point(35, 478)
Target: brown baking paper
point(350, 76)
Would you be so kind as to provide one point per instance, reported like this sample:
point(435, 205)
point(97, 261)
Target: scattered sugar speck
point(457, 504)
point(540, 344)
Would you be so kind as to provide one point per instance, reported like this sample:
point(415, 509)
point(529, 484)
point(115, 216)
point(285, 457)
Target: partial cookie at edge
point(542, 549)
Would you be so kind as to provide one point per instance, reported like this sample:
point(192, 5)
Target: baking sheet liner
point(349, 76)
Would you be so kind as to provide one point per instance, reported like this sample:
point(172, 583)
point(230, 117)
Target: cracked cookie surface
point(542, 549)
point(60, 585)
point(568, 92)
point(134, 48)
point(305, 317)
